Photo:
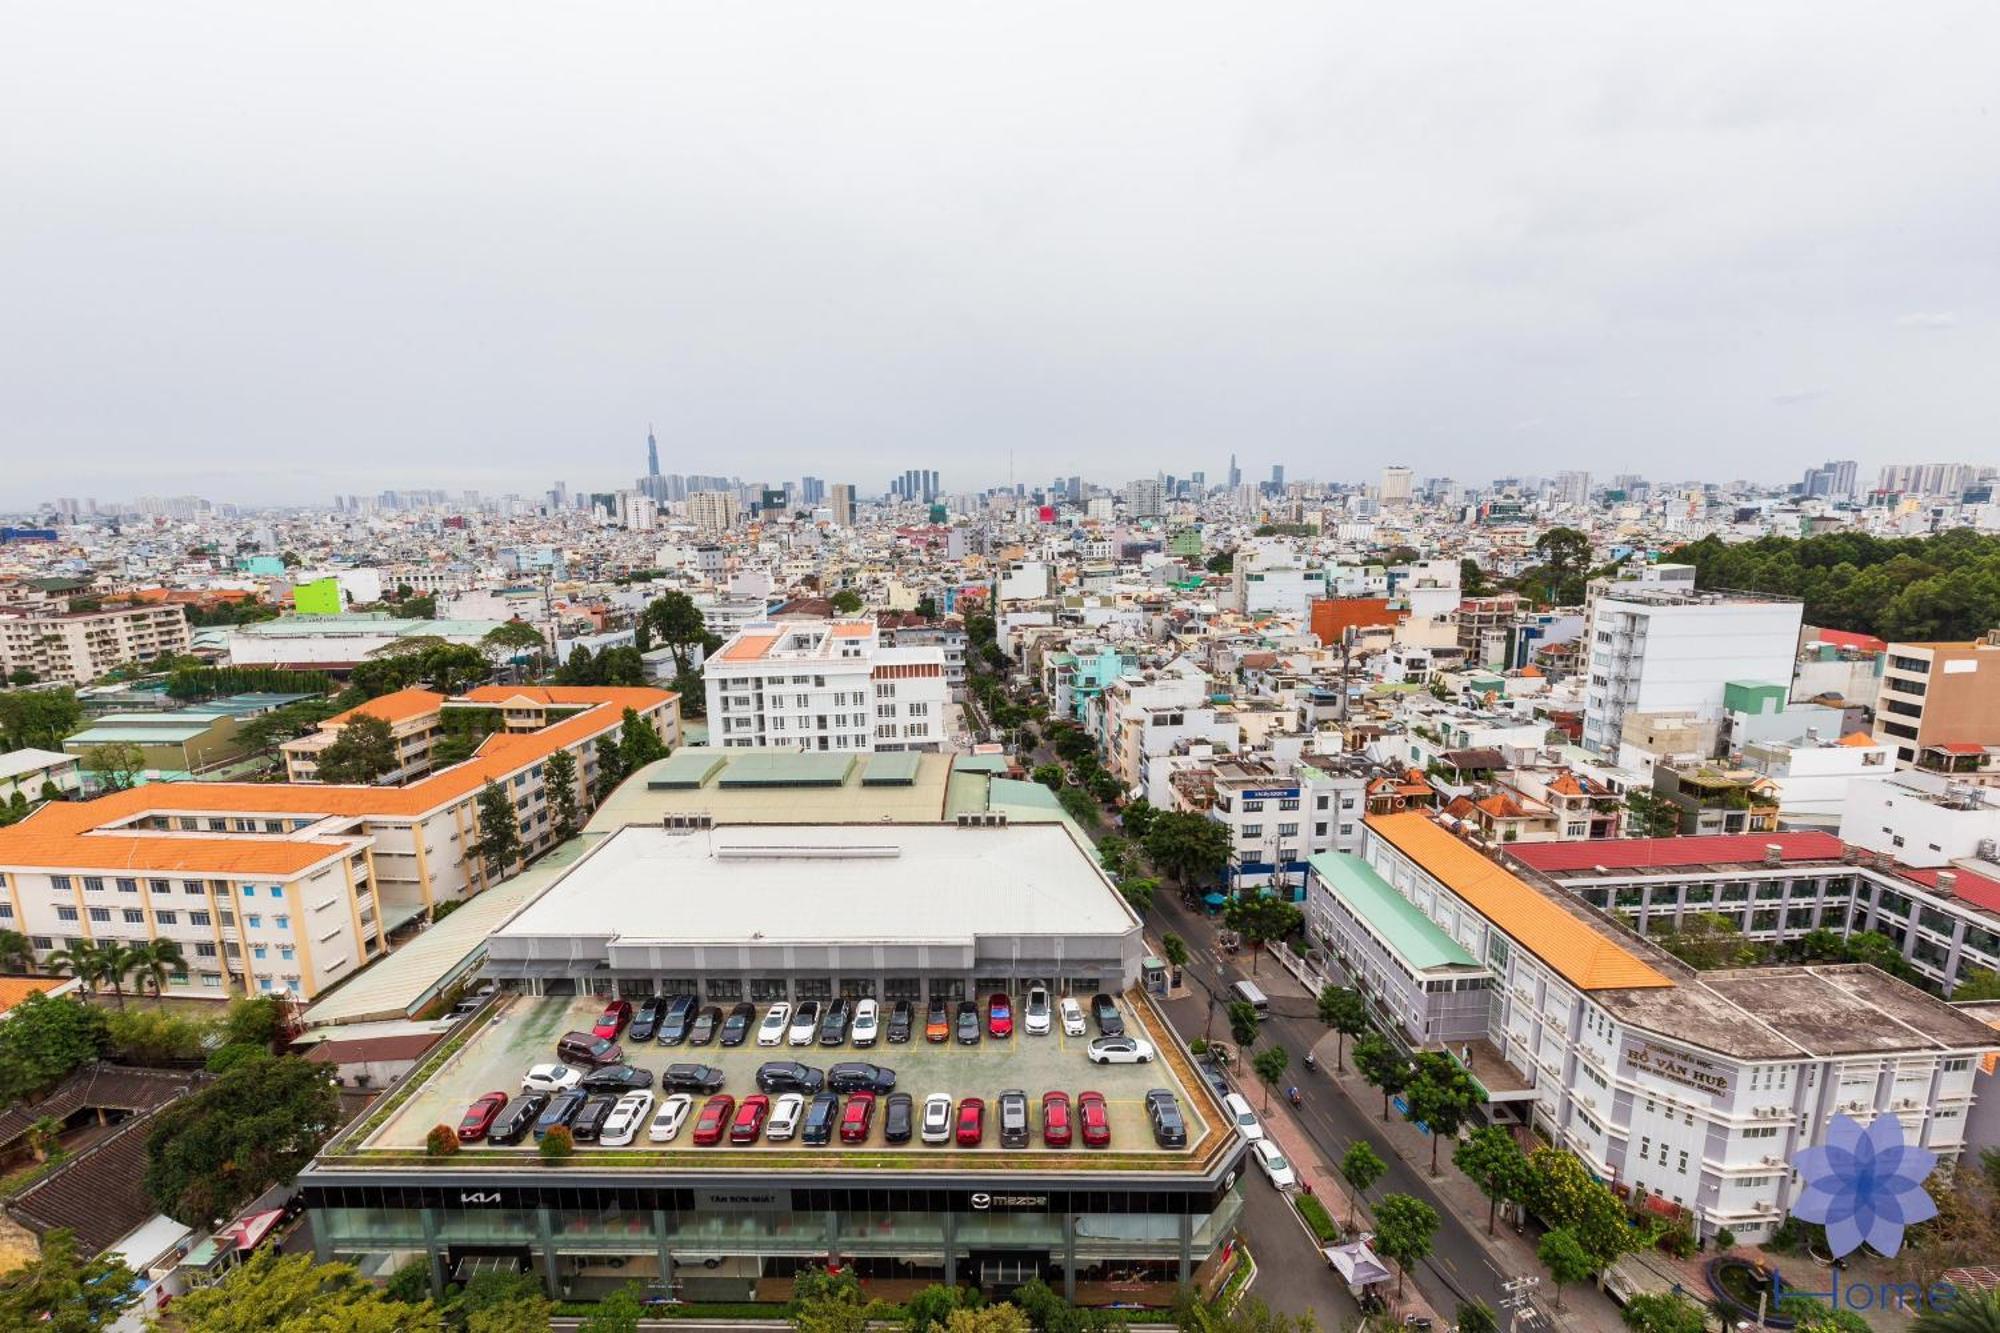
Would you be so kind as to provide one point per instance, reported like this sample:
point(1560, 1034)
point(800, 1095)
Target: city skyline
point(1323, 240)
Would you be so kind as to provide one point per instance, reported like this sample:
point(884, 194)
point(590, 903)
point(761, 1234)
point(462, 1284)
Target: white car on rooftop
point(1246, 1121)
point(786, 1112)
point(937, 1118)
point(1035, 1013)
point(1276, 1169)
point(626, 1117)
point(667, 1121)
point(771, 1032)
point(805, 1023)
point(1120, 1050)
point(867, 1023)
point(1072, 1013)
point(551, 1079)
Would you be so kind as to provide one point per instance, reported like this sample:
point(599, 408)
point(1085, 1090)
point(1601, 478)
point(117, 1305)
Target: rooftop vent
point(687, 822)
point(1947, 883)
point(983, 819)
point(1774, 854)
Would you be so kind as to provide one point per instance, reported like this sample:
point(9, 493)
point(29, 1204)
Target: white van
point(1248, 992)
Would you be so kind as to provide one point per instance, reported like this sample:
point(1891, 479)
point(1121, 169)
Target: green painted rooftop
point(1400, 922)
point(898, 769)
point(785, 769)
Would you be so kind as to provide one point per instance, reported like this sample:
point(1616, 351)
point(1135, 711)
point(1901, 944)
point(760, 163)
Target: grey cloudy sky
point(268, 252)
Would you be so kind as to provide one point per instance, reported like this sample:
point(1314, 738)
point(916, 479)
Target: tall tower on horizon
point(652, 452)
point(1235, 473)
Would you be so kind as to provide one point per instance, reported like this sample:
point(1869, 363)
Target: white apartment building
point(824, 685)
point(75, 648)
point(1279, 816)
point(1272, 580)
point(1696, 1088)
point(1656, 649)
point(1814, 776)
point(1922, 820)
point(1023, 581)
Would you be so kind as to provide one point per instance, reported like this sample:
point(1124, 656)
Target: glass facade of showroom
point(744, 1240)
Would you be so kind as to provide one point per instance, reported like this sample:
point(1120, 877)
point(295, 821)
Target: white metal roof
point(821, 883)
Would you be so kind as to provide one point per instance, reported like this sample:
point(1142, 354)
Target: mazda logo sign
point(982, 1201)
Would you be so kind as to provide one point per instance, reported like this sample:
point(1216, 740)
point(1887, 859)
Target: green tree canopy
point(274, 1293)
point(1566, 1259)
point(254, 1127)
point(44, 1039)
point(1261, 919)
point(1270, 1064)
point(1361, 1166)
point(362, 751)
point(38, 719)
point(1442, 1097)
point(847, 601)
point(1191, 848)
point(559, 776)
point(1404, 1230)
point(1343, 1010)
point(1383, 1066)
point(115, 765)
point(62, 1292)
point(1663, 1312)
point(1492, 1160)
point(499, 843)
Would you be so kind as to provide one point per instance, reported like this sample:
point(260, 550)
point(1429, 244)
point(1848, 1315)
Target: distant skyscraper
point(1235, 473)
point(1198, 484)
point(1396, 485)
point(1277, 476)
point(1143, 497)
point(1573, 489)
point(812, 490)
point(1833, 479)
point(840, 499)
point(652, 452)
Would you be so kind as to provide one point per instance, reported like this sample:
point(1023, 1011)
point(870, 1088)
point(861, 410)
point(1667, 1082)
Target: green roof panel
point(1400, 923)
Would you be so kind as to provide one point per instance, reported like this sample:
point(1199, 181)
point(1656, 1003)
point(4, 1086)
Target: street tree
point(1190, 848)
point(1261, 919)
point(1566, 1259)
point(620, 1311)
point(1492, 1160)
point(362, 751)
point(1441, 1097)
point(1270, 1064)
point(1476, 1316)
point(38, 719)
point(1243, 1023)
point(1383, 1066)
point(1360, 1166)
point(1404, 1230)
point(559, 779)
point(1343, 1010)
point(274, 1293)
point(60, 1291)
point(499, 844)
point(1172, 948)
point(677, 625)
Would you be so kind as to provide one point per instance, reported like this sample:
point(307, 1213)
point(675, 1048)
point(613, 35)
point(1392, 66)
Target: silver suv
point(1013, 1118)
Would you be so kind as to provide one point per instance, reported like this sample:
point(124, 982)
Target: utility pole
point(1520, 1300)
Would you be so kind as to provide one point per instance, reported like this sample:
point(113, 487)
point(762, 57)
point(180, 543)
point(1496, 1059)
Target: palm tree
point(1968, 1312)
point(115, 961)
point(155, 962)
point(81, 960)
point(17, 953)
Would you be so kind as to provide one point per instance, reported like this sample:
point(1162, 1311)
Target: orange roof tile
point(1585, 957)
point(79, 834)
point(1858, 739)
point(848, 629)
point(399, 706)
point(13, 990)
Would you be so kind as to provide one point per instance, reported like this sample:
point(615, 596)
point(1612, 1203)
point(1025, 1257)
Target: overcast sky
point(271, 252)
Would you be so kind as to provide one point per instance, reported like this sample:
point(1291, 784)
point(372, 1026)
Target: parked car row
point(673, 1020)
point(801, 1103)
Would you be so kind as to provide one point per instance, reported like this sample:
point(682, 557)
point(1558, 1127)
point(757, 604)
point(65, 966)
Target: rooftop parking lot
point(522, 1031)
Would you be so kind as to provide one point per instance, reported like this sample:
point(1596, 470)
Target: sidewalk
point(1585, 1309)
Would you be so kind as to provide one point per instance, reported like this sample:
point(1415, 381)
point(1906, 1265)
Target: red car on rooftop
point(971, 1122)
point(1096, 1118)
point(479, 1117)
point(855, 1120)
point(999, 1015)
point(1055, 1120)
point(748, 1126)
point(714, 1120)
point(613, 1020)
